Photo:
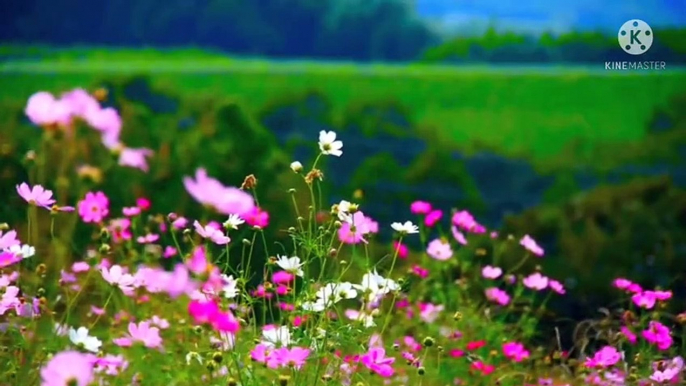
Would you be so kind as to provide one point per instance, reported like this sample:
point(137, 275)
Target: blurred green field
point(535, 112)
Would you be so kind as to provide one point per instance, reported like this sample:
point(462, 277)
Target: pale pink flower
point(530, 244)
point(439, 250)
point(536, 281)
point(36, 195)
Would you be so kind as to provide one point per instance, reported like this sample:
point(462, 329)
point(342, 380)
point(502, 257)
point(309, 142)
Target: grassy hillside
point(535, 112)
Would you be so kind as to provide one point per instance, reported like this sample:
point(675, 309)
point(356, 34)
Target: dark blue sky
point(552, 15)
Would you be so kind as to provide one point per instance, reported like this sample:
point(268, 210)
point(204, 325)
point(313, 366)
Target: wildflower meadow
point(97, 294)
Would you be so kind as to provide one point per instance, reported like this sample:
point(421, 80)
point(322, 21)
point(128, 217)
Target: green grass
point(536, 113)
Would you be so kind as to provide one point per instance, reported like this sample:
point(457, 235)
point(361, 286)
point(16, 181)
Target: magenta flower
point(530, 244)
point(433, 217)
point(658, 334)
point(68, 368)
point(8, 258)
point(515, 351)
point(257, 218)
point(37, 195)
point(94, 207)
point(420, 207)
point(605, 357)
point(285, 357)
point(377, 361)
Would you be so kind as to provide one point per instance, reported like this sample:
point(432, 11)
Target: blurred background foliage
point(591, 163)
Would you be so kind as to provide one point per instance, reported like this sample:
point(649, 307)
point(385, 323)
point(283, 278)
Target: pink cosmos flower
point(515, 351)
point(131, 211)
point(284, 357)
point(68, 368)
point(120, 229)
point(211, 193)
point(401, 249)
point(433, 217)
point(261, 353)
point(355, 230)
point(282, 277)
point(43, 109)
point(105, 120)
point(621, 283)
point(257, 218)
point(376, 360)
point(465, 221)
point(536, 281)
point(459, 236)
point(658, 334)
point(8, 239)
point(439, 250)
point(530, 244)
point(211, 233)
point(94, 207)
point(498, 296)
point(644, 299)
point(142, 332)
point(10, 299)
point(668, 371)
point(36, 195)
point(8, 258)
point(490, 272)
point(557, 287)
point(429, 312)
point(208, 312)
point(116, 276)
point(420, 207)
point(111, 364)
point(135, 158)
point(143, 203)
point(80, 102)
point(419, 271)
point(483, 368)
point(628, 334)
point(149, 238)
point(605, 357)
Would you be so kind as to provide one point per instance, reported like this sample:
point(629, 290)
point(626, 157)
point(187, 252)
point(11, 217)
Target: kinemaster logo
point(635, 37)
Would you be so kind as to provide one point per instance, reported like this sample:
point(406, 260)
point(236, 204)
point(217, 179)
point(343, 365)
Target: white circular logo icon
point(635, 37)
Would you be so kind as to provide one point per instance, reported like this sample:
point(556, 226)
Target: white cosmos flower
point(328, 144)
point(376, 286)
point(276, 336)
point(81, 338)
point(407, 228)
point(329, 295)
point(296, 166)
point(290, 264)
point(233, 222)
point(230, 288)
point(25, 251)
point(365, 318)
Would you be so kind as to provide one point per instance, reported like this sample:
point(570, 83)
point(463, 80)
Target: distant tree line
point(336, 29)
point(364, 30)
point(669, 45)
